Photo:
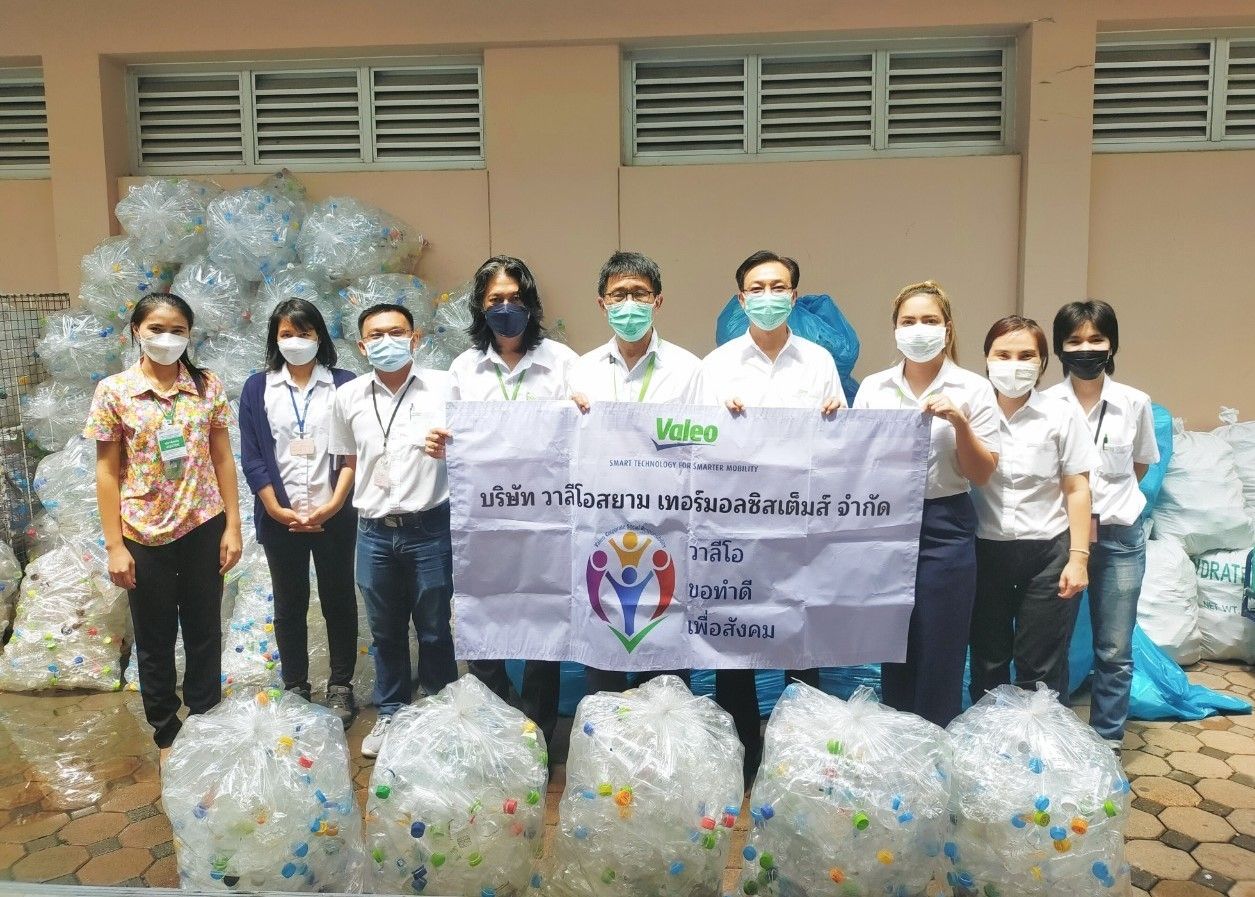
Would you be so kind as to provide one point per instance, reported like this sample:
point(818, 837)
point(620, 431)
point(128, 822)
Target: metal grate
point(689, 106)
point(189, 118)
point(952, 98)
point(23, 122)
point(815, 102)
point(432, 112)
point(307, 117)
point(22, 318)
point(1152, 92)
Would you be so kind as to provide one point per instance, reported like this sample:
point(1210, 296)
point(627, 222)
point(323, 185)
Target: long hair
point(153, 301)
point(480, 333)
point(933, 289)
point(302, 315)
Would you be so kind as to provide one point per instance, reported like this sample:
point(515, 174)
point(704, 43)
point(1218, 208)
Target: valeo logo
point(672, 433)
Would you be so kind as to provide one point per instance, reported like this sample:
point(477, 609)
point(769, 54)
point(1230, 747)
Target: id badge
point(171, 444)
point(381, 477)
point(1093, 528)
point(302, 447)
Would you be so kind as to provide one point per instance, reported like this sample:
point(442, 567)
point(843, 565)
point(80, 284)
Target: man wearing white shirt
point(404, 553)
point(770, 366)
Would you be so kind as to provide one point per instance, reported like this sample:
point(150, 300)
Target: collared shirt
point(969, 392)
point(803, 375)
point(307, 479)
point(127, 408)
point(661, 375)
point(540, 374)
point(1126, 436)
point(1043, 441)
point(414, 481)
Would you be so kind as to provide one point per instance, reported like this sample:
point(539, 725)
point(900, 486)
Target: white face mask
point(298, 350)
point(1013, 378)
point(921, 342)
point(164, 348)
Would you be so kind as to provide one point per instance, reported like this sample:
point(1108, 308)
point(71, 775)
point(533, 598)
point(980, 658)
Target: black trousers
point(612, 680)
point(1019, 615)
point(542, 680)
point(333, 551)
point(737, 692)
point(178, 584)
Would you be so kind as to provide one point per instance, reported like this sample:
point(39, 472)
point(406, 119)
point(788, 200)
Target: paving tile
point(1230, 742)
point(1184, 778)
point(1179, 840)
point(142, 812)
point(1138, 763)
point(1171, 739)
point(1213, 880)
point(1140, 824)
point(10, 854)
point(1229, 793)
point(1211, 680)
point(19, 794)
point(1243, 889)
point(115, 867)
point(93, 828)
point(147, 833)
point(132, 797)
point(1165, 791)
point(1216, 809)
point(1133, 740)
point(1242, 778)
point(42, 843)
point(164, 873)
point(1138, 892)
point(1200, 765)
point(1216, 723)
point(49, 864)
point(1142, 880)
point(1181, 889)
point(1160, 860)
point(32, 826)
point(1229, 860)
point(1241, 677)
point(1146, 806)
point(1246, 842)
point(1197, 824)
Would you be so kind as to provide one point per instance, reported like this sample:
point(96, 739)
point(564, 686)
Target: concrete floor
point(80, 796)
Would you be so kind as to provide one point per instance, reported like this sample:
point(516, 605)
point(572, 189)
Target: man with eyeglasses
point(769, 366)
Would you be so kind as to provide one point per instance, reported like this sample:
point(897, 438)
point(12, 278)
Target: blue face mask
point(389, 353)
point(507, 319)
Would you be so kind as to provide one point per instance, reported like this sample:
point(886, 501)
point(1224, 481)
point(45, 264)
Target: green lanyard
point(649, 376)
point(501, 382)
point(169, 413)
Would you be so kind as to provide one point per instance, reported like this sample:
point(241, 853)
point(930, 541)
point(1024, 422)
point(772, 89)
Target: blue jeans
point(1117, 562)
point(406, 572)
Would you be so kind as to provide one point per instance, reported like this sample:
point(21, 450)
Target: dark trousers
point(1019, 616)
point(736, 691)
point(930, 682)
point(542, 681)
point(288, 556)
point(611, 680)
point(178, 584)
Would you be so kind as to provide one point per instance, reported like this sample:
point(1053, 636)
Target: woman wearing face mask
point(963, 453)
point(166, 487)
point(1121, 426)
point(1032, 536)
point(302, 503)
point(511, 361)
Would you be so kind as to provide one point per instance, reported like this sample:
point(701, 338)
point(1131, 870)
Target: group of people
point(1032, 495)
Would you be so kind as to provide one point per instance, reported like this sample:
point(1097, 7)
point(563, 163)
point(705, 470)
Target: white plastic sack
point(1226, 634)
point(10, 578)
point(1167, 609)
point(1241, 438)
point(1200, 504)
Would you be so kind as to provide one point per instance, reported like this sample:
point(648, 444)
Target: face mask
point(1013, 378)
point(298, 350)
point(1086, 364)
point(389, 353)
point(508, 319)
point(164, 348)
point(631, 320)
point(768, 311)
point(921, 342)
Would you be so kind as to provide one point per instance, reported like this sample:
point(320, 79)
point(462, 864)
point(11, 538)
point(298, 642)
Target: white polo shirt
point(540, 374)
point(414, 481)
point(803, 375)
point(1126, 436)
point(661, 375)
point(1043, 441)
point(306, 477)
point(971, 393)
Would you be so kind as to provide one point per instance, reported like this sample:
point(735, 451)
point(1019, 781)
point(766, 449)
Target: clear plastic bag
point(234, 355)
point(284, 183)
point(166, 217)
point(456, 803)
point(221, 301)
point(65, 482)
point(852, 798)
point(80, 348)
point(654, 786)
point(10, 579)
point(431, 354)
point(1039, 800)
point(349, 357)
point(69, 625)
point(116, 275)
point(252, 232)
point(349, 239)
point(250, 653)
point(398, 289)
point(259, 794)
point(452, 320)
point(55, 412)
point(299, 282)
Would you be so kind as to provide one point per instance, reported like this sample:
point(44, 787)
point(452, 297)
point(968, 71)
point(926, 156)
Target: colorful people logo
point(635, 577)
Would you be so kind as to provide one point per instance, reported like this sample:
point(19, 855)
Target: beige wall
point(28, 246)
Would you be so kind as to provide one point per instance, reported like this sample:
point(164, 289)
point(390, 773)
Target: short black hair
point(480, 333)
point(630, 264)
point(303, 315)
point(761, 258)
point(1091, 311)
point(381, 307)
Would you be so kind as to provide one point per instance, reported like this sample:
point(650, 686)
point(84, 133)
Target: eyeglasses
point(758, 292)
point(634, 295)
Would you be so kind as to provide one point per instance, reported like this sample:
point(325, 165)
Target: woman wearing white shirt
point(964, 452)
point(1032, 535)
point(1122, 427)
point(512, 360)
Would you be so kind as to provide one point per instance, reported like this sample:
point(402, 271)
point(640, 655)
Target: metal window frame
point(368, 86)
point(26, 172)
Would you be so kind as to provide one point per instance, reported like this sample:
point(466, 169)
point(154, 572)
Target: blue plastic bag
point(1153, 481)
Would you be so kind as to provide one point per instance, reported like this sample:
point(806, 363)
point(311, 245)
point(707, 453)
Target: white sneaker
point(373, 743)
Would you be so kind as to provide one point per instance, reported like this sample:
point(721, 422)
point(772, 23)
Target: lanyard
point(649, 375)
point(168, 413)
point(395, 406)
point(501, 382)
point(301, 417)
point(1102, 412)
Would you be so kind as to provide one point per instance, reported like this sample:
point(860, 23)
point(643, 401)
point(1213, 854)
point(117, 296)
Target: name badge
point(1093, 528)
point(302, 447)
point(171, 444)
point(381, 477)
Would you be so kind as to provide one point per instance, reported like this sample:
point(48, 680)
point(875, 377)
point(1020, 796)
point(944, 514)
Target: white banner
point(642, 537)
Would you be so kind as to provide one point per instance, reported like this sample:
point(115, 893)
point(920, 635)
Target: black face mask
point(1086, 364)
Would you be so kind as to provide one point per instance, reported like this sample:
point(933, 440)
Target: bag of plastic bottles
point(298, 282)
point(69, 624)
point(166, 217)
point(250, 653)
point(1039, 800)
point(456, 804)
point(284, 183)
point(220, 300)
point(55, 412)
point(65, 482)
point(397, 289)
point(348, 239)
point(80, 348)
point(234, 355)
point(116, 275)
point(452, 320)
point(10, 579)
point(654, 788)
point(252, 232)
point(852, 798)
point(260, 797)
point(1201, 502)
